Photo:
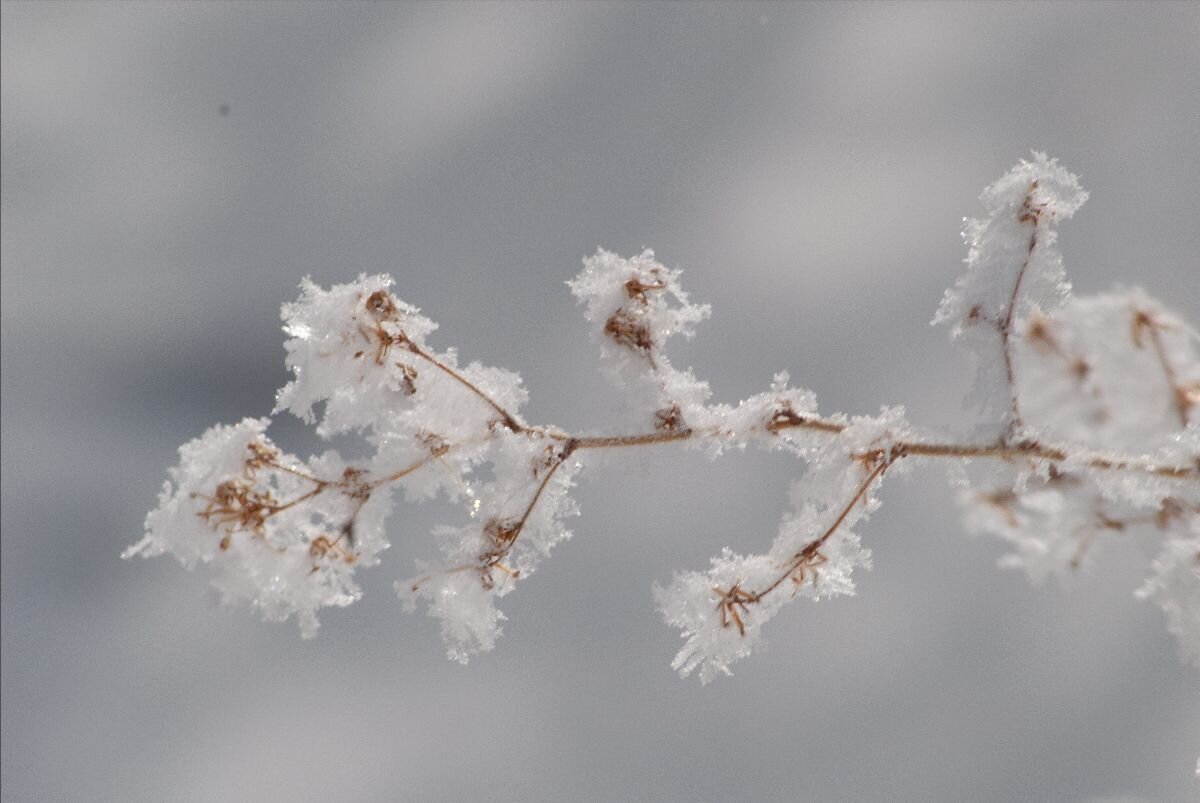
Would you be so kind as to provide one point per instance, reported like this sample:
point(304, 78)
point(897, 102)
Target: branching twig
point(634, 305)
point(1183, 398)
point(1028, 214)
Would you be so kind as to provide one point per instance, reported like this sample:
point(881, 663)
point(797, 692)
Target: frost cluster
point(1014, 270)
point(634, 306)
point(721, 611)
point(1097, 400)
point(287, 536)
point(240, 506)
point(1092, 429)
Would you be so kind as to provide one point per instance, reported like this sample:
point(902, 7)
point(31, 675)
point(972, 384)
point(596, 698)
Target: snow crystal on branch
point(1115, 371)
point(635, 305)
point(1094, 411)
point(1087, 386)
point(517, 520)
point(722, 611)
point(1014, 243)
point(346, 349)
point(1014, 268)
point(239, 506)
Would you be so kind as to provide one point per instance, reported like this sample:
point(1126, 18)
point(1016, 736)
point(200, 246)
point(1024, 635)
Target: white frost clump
point(634, 306)
point(722, 611)
point(512, 530)
point(1103, 371)
point(1048, 519)
point(718, 625)
point(1093, 429)
point(1014, 267)
point(226, 507)
point(1104, 390)
point(770, 420)
point(341, 352)
point(287, 536)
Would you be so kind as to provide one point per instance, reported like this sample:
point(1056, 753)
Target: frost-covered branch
point(1091, 427)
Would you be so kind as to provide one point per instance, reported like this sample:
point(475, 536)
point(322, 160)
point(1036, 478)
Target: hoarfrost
point(1093, 407)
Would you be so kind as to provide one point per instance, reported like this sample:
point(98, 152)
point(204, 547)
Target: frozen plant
point(1091, 428)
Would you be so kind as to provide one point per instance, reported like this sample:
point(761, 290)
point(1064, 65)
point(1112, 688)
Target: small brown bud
point(669, 419)
point(636, 289)
point(502, 532)
point(1141, 322)
point(626, 329)
point(381, 305)
point(784, 417)
point(408, 383)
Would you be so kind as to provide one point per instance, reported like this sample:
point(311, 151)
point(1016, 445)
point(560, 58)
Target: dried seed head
point(636, 289)
point(782, 418)
point(504, 533)
point(1030, 213)
point(669, 419)
point(408, 383)
point(626, 329)
point(381, 305)
point(1039, 335)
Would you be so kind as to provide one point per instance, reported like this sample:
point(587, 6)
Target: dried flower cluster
point(1091, 428)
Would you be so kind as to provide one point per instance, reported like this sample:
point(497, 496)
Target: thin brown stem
point(616, 441)
point(1002, 451)
point(1027, 214)
point(295, 472)
point(1181, 396)
point(805, 556)
point(1042, 452)
point(513, 532)
point(321, 486)
point(347, 530)
point(410, 468)
point(506, 418)
point(734, 602)
point(503, 534)
point(899, 450)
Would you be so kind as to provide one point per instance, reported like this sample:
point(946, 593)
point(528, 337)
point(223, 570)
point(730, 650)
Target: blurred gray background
point(171, 171)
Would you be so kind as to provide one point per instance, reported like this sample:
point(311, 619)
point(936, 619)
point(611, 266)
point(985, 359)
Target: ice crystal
point(1092, 412)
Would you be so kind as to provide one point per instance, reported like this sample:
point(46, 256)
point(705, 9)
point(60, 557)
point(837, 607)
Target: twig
point(1028, 214)
point(1004, 451)
point(409, 469)
point(810, 550)
point(506, 418)
point(1143, 321)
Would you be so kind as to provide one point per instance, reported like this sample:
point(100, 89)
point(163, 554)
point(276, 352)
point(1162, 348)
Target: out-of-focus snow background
point(171, 171)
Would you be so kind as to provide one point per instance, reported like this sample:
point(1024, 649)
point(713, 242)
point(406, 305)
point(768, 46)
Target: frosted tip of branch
point(1054, 190)
point(635, 303)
